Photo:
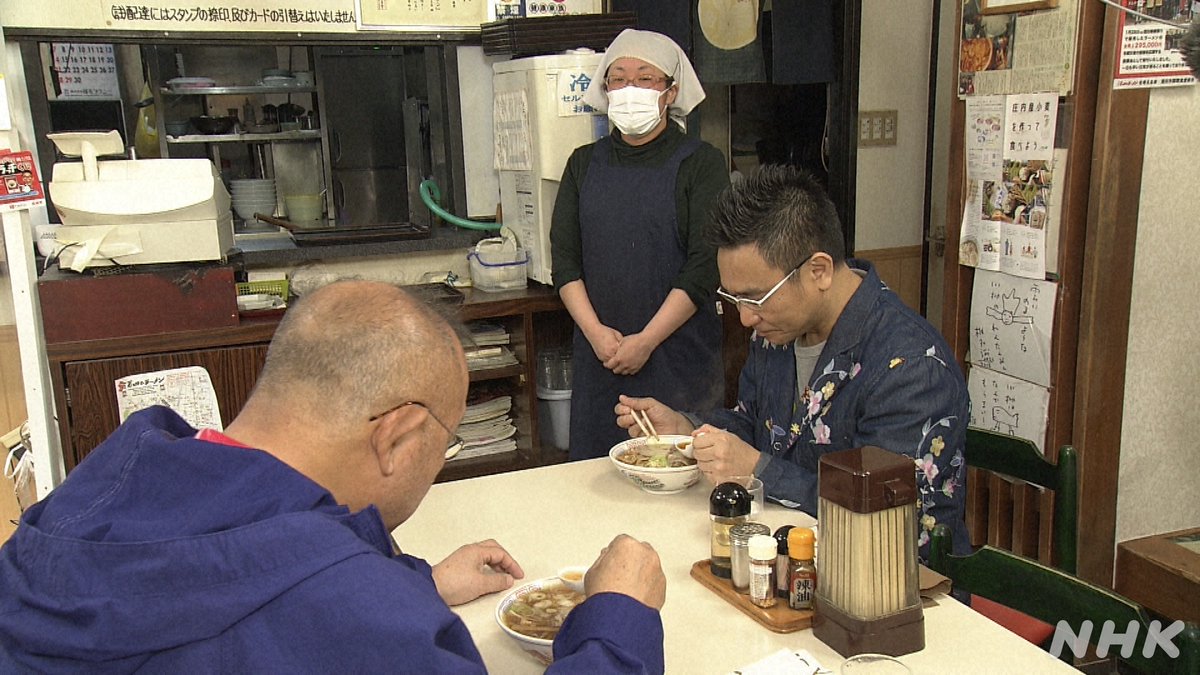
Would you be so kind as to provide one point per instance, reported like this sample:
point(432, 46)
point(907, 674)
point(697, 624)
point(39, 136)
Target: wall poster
point(1148, 53)
point(1017, 52)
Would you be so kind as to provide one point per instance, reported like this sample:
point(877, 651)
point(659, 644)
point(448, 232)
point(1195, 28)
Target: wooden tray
point(780, 618)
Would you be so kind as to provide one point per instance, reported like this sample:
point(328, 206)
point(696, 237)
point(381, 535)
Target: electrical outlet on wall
point(877, 127)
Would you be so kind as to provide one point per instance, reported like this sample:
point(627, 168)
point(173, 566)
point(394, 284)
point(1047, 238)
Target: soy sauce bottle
point(728, 505)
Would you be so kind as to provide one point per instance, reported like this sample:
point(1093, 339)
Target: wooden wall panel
point(900, 269)
point(233, 371)
point(12, 385)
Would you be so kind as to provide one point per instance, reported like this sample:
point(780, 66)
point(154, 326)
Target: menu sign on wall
point(416, 14)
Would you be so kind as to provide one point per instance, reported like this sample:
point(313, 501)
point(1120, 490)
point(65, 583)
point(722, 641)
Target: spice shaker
point(739, 552)
point(802, 573)
point(762, 570)
point(781, 561)
point(728, 505)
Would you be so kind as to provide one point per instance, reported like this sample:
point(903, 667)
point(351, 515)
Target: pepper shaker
point(739, 552)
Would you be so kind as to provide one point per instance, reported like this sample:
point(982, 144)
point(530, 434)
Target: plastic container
point(303, 208)
point(498, 270)
point(554, 368)
point(554, 417)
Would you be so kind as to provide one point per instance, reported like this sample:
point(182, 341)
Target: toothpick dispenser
point(867, 597)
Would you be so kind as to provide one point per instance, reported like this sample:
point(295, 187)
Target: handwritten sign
point(20, 187)
point(1011, 325)
point(1007, 405)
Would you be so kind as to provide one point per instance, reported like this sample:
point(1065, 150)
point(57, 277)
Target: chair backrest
point(1052, 595)
point(1020, 459)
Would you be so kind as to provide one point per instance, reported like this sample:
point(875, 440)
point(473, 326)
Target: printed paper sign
point(570, 88)
point(1148, 52)
point(188, 391)
point(20, 187)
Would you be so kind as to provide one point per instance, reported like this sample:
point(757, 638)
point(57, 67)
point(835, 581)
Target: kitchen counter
point(280, 250)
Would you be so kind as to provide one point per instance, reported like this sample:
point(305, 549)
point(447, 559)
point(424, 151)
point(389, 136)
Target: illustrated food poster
point(1017, 52)
point(1009, 350)
point(188, 391)
point(1010, 172)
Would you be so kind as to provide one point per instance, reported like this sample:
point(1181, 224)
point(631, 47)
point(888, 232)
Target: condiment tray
point(780, 618)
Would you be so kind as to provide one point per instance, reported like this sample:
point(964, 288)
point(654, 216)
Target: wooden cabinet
point(83, 373)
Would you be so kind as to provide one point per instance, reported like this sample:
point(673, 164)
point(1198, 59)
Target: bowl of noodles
point(658, 467)
point(533, 612)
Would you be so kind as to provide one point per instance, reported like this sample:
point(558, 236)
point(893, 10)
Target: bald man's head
point(355, 348)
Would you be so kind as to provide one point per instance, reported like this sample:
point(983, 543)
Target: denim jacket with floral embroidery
point(885, 377)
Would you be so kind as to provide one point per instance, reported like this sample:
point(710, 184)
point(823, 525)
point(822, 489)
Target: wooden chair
point(1019, 458)
point(1053, 595)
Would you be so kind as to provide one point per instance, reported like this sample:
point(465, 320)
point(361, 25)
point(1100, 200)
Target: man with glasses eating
point(266, 547)
point(836, 359)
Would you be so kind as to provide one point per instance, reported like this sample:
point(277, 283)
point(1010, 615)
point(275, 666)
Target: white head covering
point(659, 51)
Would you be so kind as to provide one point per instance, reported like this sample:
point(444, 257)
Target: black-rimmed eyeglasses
point(456, 442)
point(756, 305)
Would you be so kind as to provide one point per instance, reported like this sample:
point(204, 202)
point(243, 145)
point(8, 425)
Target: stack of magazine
point(487, 427)
point(488, 347)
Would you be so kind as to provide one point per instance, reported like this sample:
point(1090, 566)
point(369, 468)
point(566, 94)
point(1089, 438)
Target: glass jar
point(739, 552)
point(762, 549)
point(728, 505)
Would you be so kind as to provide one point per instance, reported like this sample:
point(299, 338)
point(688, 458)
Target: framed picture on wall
point(1009, 6)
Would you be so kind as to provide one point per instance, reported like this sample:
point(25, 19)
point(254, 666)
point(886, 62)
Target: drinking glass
point(755, 487)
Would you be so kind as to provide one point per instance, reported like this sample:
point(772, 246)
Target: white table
point(562, 515)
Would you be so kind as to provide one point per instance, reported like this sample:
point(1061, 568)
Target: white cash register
point(136, 212)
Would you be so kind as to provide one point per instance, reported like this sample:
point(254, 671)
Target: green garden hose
point(430, 194)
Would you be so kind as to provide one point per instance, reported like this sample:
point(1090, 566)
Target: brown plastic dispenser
point(867, 597)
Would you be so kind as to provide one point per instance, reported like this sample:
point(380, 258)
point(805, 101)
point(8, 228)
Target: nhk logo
point(1156, 637)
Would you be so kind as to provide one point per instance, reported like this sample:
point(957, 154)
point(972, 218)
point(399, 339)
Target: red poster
point(20, 188)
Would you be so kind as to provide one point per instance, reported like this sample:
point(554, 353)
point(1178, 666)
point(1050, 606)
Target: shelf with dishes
point(247, 89)
point(299, 135)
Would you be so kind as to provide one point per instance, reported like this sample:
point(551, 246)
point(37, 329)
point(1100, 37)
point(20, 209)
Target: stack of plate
point(253, 195)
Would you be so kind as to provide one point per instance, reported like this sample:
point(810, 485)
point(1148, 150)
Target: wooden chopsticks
point(644, 424)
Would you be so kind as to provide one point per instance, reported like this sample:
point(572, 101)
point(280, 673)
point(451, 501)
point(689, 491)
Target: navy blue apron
point(631, 254)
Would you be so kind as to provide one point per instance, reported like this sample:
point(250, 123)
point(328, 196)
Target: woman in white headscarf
point(629, 258)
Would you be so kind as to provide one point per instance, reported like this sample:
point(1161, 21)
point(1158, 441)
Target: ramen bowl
point(540, 648)
point(658, 480)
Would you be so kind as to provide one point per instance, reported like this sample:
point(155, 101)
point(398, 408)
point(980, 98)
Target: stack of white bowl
point(253, 195)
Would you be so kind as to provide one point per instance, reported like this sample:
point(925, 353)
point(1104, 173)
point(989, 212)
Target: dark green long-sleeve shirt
point(701, 178)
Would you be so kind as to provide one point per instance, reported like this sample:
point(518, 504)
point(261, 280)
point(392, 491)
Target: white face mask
point(634, 110)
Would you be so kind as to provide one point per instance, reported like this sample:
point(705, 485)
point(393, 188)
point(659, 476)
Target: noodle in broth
point(540, 612)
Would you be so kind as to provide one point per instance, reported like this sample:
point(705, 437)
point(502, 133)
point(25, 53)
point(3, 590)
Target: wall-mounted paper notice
point(510, 121)
point(1008, 405)
point(1011, 325)
point(188, 391)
